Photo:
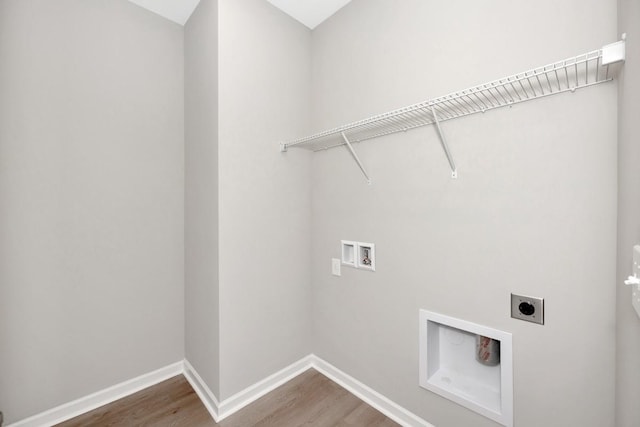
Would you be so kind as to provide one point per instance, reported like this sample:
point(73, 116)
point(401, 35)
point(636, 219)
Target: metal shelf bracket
point(445, 146)
point(355, 157)
point(568, 75)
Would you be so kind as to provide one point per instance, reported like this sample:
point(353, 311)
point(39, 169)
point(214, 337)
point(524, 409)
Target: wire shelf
point(568, 75)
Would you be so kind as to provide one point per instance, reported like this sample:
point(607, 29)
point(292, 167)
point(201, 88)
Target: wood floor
point(310, 399)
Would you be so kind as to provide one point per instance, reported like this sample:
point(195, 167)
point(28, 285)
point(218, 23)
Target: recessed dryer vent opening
point(467, 363)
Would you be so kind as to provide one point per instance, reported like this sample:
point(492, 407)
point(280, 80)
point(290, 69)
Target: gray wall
point(201, 192)
point(93, 177)
point(628, 324)
point(264, 204)
point(91, 198)
point(532, 212)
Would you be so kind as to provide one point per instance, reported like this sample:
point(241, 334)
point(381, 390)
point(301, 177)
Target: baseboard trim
point(229, 406)
point(202, 390)
point(250, 394)
point(103, 397)
point(369, 395)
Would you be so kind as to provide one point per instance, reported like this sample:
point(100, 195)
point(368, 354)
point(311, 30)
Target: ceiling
point(309, 12)
point(175, 10)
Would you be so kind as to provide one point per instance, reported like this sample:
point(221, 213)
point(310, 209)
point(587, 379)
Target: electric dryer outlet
point(529, 309)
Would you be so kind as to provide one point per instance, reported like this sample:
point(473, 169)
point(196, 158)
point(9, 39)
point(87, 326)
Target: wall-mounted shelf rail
point(578, 72)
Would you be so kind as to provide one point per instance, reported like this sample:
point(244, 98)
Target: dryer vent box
point(450, 366)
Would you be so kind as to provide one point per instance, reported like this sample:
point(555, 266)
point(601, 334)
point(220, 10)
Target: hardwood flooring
point(310, 399)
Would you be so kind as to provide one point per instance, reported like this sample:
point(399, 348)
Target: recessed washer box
point(367, 256)
point(359, 255)
point(349, 250)
point(449, 367)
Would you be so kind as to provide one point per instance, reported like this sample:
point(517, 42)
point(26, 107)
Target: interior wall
point(532, 212)
point(264, 203)
point(91, 199)
point(201, 193)
point(628, 324)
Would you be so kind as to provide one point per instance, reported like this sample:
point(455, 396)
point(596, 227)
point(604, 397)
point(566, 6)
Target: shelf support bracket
point(445, 146)
point(355, 157)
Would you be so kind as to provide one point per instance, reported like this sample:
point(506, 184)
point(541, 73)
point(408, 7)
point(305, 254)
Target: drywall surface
point(91, 199)
point(628, 323)
point(264, 203)
point(533, 211)
point(201, 192)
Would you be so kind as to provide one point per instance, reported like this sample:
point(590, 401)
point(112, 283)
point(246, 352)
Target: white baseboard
point(221, 410)
point(250, 394)
point(202, 390)
point(88, 403)
point(240, 400)
point(389, 408)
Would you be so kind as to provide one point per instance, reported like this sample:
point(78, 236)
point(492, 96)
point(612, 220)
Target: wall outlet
point(530, 309)
point(335, 266)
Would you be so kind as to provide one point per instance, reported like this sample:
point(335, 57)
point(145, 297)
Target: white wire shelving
point(568, 75)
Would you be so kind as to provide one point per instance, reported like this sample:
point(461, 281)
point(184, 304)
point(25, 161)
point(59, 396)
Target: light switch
point(335, 267)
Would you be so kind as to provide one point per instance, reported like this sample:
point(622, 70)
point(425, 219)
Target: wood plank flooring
point(309, 399)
